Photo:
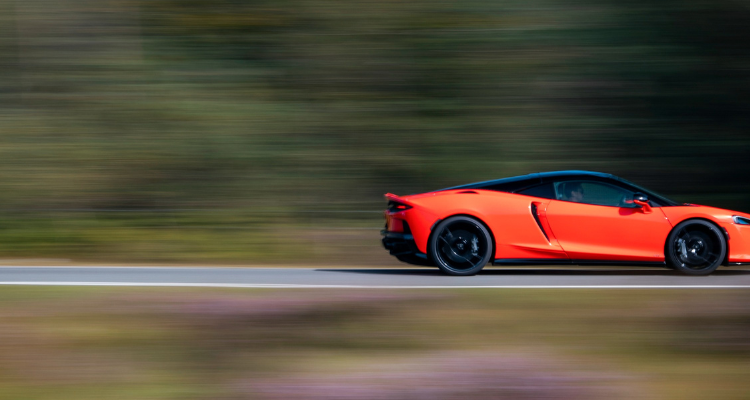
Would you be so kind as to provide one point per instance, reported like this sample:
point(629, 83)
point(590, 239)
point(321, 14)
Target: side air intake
point(538, 221)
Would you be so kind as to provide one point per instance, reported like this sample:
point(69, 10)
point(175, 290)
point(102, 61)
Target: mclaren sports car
point(561, 218)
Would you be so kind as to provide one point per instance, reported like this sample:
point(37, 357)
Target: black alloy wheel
point(696, 247)
point(460, 246)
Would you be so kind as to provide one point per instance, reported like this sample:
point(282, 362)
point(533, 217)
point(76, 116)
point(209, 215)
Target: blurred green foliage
point(291, 105)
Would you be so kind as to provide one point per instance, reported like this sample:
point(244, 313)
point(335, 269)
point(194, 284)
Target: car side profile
point(561, 218)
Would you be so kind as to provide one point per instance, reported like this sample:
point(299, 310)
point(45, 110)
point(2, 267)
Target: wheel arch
point(721, 229)
point(481, 221)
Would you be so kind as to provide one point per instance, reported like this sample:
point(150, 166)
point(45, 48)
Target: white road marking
point(309, 286)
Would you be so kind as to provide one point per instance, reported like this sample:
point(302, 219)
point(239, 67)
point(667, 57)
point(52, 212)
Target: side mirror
point(641, 200)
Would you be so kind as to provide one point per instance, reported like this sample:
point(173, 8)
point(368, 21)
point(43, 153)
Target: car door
point(598, 221)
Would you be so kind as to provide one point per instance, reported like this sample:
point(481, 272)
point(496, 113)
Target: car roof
point(518, 183)
point(532, 179)
point(556, 174)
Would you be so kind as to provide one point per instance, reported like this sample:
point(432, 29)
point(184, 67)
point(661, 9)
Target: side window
point(545, 191)
point(598, 193)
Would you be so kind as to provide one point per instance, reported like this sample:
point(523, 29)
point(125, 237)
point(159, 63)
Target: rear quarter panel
point(508, 217)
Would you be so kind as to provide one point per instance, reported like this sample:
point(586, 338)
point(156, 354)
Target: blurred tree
point(300, 104)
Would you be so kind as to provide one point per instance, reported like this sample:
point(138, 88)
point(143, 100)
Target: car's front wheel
point(696, 247)
point(460, 246)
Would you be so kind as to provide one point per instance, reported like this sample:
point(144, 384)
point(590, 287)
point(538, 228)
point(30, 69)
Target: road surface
point(369, 278)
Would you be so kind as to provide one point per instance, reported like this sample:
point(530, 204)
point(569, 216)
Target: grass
point(135, 343)
point(225, 237)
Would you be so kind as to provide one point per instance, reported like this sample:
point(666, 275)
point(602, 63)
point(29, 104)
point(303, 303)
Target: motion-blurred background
point(267, 131)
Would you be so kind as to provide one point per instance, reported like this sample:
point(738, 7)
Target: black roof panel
point(518, 182)
point(503, 185)
point(555, 174)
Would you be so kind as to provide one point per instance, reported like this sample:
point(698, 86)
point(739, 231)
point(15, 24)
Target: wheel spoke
point(477, 258)
point(707, 258)
point(448, 235)
point(464, 258)
point(459, 256)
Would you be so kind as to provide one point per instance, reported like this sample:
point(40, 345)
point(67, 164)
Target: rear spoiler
point(391, 196)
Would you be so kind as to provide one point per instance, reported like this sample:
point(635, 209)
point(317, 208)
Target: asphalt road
point(369, 278)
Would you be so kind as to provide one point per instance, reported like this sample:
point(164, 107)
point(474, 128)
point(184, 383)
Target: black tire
point(695, 247)
point(460, 246)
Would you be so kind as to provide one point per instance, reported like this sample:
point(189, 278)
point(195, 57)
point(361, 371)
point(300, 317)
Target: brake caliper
point(475, 246)
point(683, 249)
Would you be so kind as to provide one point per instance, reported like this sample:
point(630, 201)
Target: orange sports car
point(561, 218)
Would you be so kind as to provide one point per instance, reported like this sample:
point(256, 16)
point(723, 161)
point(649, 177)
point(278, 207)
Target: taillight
point(395, 206)
point(397, 225)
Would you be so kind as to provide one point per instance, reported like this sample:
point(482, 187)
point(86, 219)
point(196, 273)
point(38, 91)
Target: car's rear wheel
point(696, 247)
point(460, 246)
